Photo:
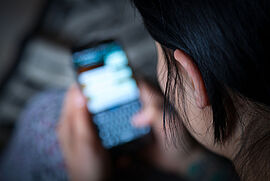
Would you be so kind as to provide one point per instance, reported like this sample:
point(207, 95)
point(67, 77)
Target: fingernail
point(135, 120)
point(80, 101)
point(139, 120)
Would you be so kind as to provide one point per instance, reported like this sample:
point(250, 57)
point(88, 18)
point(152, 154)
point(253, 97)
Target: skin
point(198, 109)
point(87, 160)
point(84, 156)
point(161, 153)
point(250, 126)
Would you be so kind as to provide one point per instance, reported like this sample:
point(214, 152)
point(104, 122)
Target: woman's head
point(215, 57)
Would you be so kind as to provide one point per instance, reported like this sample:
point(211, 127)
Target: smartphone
point(107, 81)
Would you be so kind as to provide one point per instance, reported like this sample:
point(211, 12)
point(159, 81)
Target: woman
point(34, 152)
point(213, 69)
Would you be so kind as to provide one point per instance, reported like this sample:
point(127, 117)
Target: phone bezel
point(96, 44)
point(129, 147)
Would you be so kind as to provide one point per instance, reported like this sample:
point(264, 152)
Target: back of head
point(228, 41)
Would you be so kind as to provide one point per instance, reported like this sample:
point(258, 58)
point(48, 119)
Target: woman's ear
point(199, 91)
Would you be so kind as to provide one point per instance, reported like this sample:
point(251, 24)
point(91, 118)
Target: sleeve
point(34, 152)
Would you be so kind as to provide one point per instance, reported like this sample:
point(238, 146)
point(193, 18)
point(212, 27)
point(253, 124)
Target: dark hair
point(228, 41)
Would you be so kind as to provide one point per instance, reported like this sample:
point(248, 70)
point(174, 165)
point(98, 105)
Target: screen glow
point(110, 84)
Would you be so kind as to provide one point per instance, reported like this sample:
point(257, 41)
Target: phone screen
point(105, 77)
point(112, 93)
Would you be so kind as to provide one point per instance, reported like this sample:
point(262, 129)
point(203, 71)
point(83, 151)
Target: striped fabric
point(45, 63)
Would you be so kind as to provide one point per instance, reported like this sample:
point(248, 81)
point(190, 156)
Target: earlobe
point(199, 92)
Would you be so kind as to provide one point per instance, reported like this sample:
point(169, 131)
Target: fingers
point(65, 128)
point(81, 118)
point(146, 117)
point(82, 151)
point(76, 120)
point(152, 103)
point(70, 100)
point(150, 96)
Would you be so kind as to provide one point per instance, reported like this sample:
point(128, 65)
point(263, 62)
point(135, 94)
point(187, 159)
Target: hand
point(152, 105)
point(162, 154)
point(84, 156)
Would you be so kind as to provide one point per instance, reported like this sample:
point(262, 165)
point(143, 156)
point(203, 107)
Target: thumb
point(82, 120)
point(145, 117)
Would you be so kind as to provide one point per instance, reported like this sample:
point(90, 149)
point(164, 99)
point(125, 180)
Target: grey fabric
point(46, 59)
point(34, 152)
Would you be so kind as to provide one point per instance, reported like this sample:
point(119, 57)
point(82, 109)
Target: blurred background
point(36, 36)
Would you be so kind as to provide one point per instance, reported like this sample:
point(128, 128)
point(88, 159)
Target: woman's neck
point(252, 146)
